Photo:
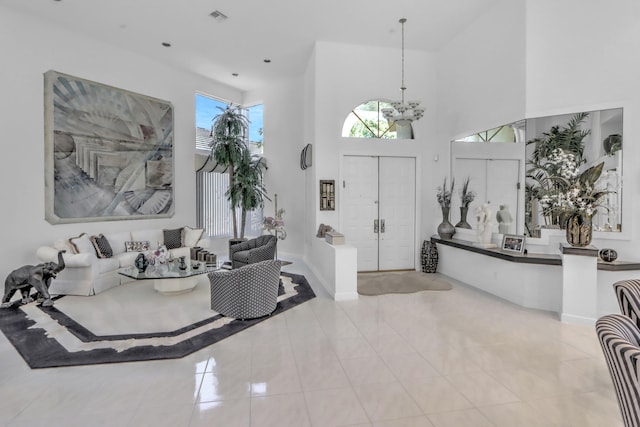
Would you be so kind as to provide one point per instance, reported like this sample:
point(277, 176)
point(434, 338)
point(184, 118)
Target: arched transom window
point(367, 121)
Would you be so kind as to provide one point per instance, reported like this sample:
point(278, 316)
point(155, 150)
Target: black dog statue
point(32, 276)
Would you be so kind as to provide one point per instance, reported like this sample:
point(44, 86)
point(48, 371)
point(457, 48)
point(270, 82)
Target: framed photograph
point(513, 243)
point(108, 152)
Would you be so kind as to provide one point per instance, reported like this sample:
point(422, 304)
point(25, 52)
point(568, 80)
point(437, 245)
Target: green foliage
point(444, 194)
point(553, 166)
point(466, 196)
point(229, 148)
point(367, 128)
point(569, 139)
point(248, 188)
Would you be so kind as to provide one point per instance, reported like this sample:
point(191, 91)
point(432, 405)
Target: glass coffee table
point(169, 279)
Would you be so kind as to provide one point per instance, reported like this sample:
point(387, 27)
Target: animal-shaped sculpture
point(32, 276)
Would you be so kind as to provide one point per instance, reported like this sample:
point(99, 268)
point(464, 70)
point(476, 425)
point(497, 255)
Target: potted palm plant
point(248, 186)
point(229, 149)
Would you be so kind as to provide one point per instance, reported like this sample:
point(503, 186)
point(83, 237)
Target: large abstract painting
point(108, 152)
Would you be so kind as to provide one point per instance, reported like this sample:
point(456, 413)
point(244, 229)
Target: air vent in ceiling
point(218, 16)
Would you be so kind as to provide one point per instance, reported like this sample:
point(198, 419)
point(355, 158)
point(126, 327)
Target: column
point(579, 284)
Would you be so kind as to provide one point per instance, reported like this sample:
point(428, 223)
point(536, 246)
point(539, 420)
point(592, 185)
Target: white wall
point(30, 47)
point(481, 74)
point(344, 76)
point(284, 139)
point(581, 57)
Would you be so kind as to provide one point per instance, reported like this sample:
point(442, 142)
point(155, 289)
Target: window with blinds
point(213, 208)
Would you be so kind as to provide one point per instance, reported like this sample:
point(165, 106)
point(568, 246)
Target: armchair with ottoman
point(261, 248)
point(246, 292)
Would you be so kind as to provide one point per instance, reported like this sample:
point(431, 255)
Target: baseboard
point(577, 320)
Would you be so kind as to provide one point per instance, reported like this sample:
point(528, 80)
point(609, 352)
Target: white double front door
point(379, 201)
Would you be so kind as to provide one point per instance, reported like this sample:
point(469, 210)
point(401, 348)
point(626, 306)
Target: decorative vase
point(608, 255)
point(579, 229)
point(429, 256)
point(463, 217)
point(446, 230)
point(141, 263)
point(181, 264)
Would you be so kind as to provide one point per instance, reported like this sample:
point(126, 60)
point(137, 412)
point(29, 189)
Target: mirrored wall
point(526, 167)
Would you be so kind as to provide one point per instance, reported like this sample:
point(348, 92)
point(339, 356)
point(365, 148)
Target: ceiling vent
point(218, 16)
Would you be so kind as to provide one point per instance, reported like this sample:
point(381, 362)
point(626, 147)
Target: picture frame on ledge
point(514, 243)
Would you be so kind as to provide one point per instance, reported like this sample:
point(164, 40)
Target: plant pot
point(446, 230)
point(429, 257)
point(463, 218)
point(579, 229)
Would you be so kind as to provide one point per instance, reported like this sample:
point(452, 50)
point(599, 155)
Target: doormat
point(400, 283)
point(47, 337)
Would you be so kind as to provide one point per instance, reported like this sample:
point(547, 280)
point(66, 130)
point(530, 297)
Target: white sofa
point(86, 273)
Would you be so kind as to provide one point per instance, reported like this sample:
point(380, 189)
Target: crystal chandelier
point(403, 113)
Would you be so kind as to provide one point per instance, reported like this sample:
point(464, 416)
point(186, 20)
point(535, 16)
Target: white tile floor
point(457, 358)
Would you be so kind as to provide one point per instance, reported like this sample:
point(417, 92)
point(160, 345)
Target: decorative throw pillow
point(136, 246)
point(192, 236)
point(82, 244)
point(102, 246)
point(174, 238)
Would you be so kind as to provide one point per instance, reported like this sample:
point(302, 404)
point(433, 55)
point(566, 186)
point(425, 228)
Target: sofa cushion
point(136, 246)
point(116, 240)
point(102, 246)
point(153, 236)
point(173, 238)
point(82, 244)
point(192, 236)
point(126, 259)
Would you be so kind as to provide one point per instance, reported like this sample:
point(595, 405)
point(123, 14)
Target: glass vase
point(579, 229)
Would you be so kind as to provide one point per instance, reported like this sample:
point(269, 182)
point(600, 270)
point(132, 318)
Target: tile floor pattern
point(458, 358)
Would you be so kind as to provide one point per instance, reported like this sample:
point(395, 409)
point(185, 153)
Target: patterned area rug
point(50, 337)
point(404, 282)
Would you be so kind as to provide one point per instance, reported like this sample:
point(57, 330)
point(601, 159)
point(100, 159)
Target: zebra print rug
point(48, 337)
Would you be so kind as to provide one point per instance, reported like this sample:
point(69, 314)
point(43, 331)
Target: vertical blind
point(214, 210)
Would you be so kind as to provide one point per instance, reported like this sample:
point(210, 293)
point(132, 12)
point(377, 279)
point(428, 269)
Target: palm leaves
point(229, 148)
point(553, 165)
point(570, 139)
point(248, 191)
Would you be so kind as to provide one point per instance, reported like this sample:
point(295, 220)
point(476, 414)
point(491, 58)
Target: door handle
point(375, 226)
point(382, 225)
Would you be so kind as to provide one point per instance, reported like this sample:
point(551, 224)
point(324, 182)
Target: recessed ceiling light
point(218, 16)
point(234, 74)
point(267, 61)
point(165, 44)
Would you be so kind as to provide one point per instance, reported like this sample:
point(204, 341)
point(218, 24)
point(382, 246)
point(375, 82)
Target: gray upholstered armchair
point(261, 248)
point(247, 292)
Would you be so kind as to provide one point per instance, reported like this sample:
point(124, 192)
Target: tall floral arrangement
point(466, 196)
point(444, 193)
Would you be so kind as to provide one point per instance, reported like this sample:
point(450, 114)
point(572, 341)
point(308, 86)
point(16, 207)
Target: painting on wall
point(108, 152)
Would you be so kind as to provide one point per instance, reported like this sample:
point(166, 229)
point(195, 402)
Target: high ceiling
point(280, 30)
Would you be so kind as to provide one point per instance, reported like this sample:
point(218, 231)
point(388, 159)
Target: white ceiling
point(281, 30)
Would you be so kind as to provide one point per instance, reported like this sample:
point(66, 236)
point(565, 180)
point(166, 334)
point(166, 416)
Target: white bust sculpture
point(503, 216)
point(484, 226)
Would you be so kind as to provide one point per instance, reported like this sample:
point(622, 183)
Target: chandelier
point(403, 113)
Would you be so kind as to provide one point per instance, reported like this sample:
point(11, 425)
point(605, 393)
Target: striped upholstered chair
point(246, 292)
point(628, 294)
point(620, 341)
point(251, 251)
